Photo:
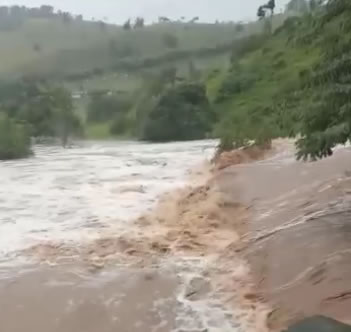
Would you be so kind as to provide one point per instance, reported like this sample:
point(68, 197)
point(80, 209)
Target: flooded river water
point(74, 194)
point(123, 237)
point(74, 197)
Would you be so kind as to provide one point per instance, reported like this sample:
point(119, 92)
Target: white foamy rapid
point(74, 194)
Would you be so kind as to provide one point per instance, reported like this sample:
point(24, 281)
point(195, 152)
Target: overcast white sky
point(119, 10)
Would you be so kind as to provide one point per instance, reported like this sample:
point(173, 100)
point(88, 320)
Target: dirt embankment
point(298, 233)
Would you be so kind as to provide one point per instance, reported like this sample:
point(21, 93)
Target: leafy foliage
point(14, 139)
point(46, 110)
point(259, 98)
point(181, 113)
point(127, 25)
point(261, 12)
point(234, 83)
point(300, 84)
point(326, 119)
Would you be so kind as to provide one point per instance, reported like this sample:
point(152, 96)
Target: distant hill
point(59, 46)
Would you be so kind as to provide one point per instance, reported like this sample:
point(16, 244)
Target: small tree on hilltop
point(163, 19)
point(127, 26)
point(139, 23)
point(261, 13)
point(66, 17)
point(271, 6)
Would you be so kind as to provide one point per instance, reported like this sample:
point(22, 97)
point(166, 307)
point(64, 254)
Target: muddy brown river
point(141, 237)
point(74, 197)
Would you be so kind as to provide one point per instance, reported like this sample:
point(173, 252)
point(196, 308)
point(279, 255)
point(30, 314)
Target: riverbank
point(297, 239)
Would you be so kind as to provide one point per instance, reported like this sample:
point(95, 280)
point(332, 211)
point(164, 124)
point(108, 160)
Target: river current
point(74, 194)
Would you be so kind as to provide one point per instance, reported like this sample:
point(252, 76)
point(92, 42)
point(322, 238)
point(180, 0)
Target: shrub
point(235, 82)
point(14, 139)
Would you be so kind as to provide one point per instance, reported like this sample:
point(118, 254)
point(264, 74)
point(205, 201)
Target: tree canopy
point(42, 109)
point(182, 112)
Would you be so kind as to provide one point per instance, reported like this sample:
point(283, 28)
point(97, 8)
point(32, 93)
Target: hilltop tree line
point(12, 17)
point(139, 23)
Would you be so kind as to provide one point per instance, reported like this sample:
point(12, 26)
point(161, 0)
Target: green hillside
point(294, 82)
point(83, 46)
point(51, 47)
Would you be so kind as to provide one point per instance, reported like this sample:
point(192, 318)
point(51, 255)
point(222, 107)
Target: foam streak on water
point(74, 194)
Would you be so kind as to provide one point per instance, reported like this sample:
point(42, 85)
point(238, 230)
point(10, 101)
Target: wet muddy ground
point(298, 236)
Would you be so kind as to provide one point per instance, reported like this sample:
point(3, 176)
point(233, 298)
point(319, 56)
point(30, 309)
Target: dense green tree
point(271, 6)
point(47, 110)
point(182, 112)
point(326, 118)
point(127, 26)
